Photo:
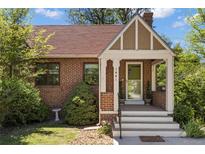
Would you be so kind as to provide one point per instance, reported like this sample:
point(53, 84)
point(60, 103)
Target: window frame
point(84, 71)
point(47, 74)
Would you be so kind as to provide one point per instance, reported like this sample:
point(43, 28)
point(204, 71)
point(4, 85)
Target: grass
point(49, 133)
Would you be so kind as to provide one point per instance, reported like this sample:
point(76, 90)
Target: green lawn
point(44, 133)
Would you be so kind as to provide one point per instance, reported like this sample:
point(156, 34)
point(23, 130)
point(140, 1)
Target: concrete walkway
point(168, 141)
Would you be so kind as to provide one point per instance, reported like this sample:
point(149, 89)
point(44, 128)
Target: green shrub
point(106, 129)
point(81, 108)
point(21, 103)
point(183, 114)
point(193, 129)
point(190, 91)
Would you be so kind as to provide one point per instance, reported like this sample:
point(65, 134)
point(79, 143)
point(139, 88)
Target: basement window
point(91, 74)
point(50, 74)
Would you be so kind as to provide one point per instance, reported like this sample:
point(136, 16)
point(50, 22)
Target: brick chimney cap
point(148, 14)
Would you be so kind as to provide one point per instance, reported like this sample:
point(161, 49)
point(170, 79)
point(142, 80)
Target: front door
point(134, 81)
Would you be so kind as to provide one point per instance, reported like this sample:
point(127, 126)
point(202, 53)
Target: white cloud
point(49, 13)
point(178, 24)
point(163, 12)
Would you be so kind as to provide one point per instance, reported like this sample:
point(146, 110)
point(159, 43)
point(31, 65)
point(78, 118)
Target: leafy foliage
point(20, 46)
point(193, 129)
point(196, 37)
point(149, 90)
point(21, 103)
point(106, 129)
point(81, 108)
point(183, 113)
point(103, 15)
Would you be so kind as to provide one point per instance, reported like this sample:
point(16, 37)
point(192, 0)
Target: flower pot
point(147, 101)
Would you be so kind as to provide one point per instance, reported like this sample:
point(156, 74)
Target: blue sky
point(169, 22)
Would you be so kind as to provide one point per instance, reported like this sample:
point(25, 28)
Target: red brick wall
point(106, 102)
point(159, 99)
point(108, 117)
point(71, 73)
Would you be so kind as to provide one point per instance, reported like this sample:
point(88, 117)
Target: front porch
point(128, 65)
point(129, 78)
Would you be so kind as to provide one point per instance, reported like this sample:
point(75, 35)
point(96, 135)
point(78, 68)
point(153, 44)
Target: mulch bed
point(91, 137)
point(151, 139)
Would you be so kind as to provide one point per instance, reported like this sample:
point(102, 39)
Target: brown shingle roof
point(81, 39)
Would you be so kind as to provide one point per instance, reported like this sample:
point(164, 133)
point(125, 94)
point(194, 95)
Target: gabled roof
point(85, 40)
point(151, 30)
point(90, 40)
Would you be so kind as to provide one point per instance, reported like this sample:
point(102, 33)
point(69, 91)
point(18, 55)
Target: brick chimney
point(148, 18)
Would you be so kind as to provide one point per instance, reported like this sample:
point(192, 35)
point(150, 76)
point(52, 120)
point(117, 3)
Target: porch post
point(103, 65)
point(116, 64)
point(170, 84)
point(153, 77)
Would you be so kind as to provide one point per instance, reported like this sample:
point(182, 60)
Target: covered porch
point(129, 77)
point(128, 65)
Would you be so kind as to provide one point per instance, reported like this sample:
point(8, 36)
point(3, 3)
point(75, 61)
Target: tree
point(196, 37)
point(102, 15)
point(21, 46)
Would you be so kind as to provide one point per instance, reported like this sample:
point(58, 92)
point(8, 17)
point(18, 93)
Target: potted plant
point(148, 97)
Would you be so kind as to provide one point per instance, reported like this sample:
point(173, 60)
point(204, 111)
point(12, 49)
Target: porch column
point(116, 64)
point(103, 65)
point(170, 84)
point(153, 77)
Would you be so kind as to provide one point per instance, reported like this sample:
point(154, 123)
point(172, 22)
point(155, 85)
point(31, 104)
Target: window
point(91, 74)
point(51, 74)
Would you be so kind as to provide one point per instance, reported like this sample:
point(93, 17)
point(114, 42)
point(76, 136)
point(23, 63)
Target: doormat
point(151, 139)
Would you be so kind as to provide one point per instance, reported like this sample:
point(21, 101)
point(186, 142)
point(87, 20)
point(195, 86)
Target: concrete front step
point(146, 119)
point(134, 102)
point(150, 132)
point(145, 113)
point(147, 125)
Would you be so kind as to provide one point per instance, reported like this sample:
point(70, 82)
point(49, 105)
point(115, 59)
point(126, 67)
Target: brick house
point(113, 59)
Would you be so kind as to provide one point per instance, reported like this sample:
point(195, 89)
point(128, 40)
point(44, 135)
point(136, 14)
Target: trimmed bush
point(183, 114)
point(21, 103)
point(106, 129)
point(193, 129)
point(81, 108)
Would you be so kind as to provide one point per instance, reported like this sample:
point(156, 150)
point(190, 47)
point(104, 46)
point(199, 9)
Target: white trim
point(99, 91)
point(136, 34)
point(108, 112)
point(136, 54)
point(157, 62)
point(141, 71)
point(154, 77)
point(170, 84)
point(116, 65)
